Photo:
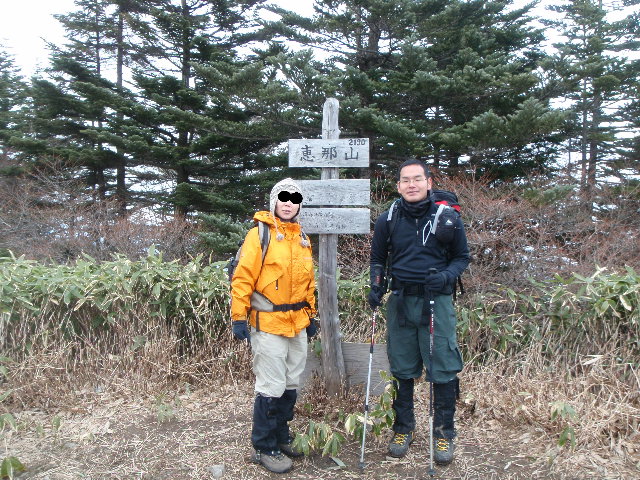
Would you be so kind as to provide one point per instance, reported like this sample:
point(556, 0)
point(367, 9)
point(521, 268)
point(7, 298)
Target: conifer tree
point(90, 45)
point(189, 119)
point(628, 165)
point(596, 78)
point(422, 78)
point(14, 103)
point(66, 117)
point(72, 112)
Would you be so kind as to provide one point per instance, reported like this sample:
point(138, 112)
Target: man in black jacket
point(427, 251)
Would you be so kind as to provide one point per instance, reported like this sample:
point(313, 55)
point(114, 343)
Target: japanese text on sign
point(344, 152)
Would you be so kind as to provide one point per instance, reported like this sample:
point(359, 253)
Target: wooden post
point(332, 359)
point(323, 196)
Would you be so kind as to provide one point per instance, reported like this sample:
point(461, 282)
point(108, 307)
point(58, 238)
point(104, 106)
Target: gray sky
point(25, 25)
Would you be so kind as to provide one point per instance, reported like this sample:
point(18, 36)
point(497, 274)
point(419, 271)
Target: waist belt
point(413, 289)
point(260, 303)
point(285, 307)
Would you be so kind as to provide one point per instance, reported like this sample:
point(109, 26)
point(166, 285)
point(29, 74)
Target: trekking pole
point(366, 398)
point(432, 472)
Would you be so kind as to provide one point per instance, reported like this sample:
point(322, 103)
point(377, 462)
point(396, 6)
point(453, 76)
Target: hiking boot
point(443, 451)
point(274, 461)
point(399, 444)
point(288, 449)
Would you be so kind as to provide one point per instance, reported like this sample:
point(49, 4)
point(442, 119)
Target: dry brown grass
point(151, 414)
point(51, 377)
point(519, 395)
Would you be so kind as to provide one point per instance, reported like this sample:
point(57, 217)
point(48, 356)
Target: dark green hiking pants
point(408, 351)
point(408, 339)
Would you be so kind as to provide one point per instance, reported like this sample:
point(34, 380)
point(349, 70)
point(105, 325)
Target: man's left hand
point(436, 281)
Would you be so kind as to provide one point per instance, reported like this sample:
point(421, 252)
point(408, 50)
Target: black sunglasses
point(285, 196)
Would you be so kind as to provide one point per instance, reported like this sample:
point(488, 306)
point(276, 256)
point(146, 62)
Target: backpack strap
point(392, 221)
point(434, 225)
point(261, 306)
point(265, 235)
point(392, 209)
point(445, 200)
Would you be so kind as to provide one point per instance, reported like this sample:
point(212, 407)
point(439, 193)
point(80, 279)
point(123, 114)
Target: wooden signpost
point(323, 214)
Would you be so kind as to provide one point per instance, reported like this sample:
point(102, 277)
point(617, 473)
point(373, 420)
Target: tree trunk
point(121, 187)
point(596, 114)
point(99, 170)
point(583, 150)
point(183, 135)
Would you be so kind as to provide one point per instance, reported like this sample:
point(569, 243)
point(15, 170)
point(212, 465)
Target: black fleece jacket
point(414, 250)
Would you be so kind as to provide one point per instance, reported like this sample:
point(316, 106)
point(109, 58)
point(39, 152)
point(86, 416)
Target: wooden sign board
point(335, 220)
point(336, 192)
point(340, 152)
point(356, 363)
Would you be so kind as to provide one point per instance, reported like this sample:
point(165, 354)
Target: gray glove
point(437, 281)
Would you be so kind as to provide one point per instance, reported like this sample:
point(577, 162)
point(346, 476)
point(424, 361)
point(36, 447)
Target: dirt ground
point(191, 435)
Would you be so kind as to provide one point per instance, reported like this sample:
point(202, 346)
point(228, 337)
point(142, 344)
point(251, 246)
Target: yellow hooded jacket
point(286, 276)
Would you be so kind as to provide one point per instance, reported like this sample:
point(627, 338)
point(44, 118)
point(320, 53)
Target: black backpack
point(265, 236)
point(443, 225)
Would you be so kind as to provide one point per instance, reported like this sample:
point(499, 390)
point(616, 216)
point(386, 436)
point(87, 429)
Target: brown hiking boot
point(274, 461)
point(399, 445)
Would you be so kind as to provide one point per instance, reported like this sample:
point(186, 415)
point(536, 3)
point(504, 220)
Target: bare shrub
point(353, 254)
point(513, 238)
point(44, 218)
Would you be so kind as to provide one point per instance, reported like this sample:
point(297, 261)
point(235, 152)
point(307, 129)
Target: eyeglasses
point(408, 181)
point(294, 197)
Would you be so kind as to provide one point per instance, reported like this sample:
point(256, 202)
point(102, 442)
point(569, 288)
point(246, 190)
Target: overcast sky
point(25, 26)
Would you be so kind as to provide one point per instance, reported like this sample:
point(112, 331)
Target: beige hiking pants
point(278, 362)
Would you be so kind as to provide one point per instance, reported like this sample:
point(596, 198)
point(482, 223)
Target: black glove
point(378, 286)
point(436, 281)
point(312, 329)
point(240, 329)
point(375, 297)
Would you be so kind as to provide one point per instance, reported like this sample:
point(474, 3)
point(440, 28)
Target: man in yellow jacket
point(273, 305)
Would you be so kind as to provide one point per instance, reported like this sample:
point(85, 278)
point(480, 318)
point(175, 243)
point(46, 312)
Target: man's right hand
point(240, 329)
point(375, 297)
point(378, 286)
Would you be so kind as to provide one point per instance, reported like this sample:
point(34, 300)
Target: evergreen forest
point(158, 109)
point(131, 166)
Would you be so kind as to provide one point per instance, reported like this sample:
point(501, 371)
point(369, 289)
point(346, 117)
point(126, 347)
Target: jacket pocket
point(269, 277)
